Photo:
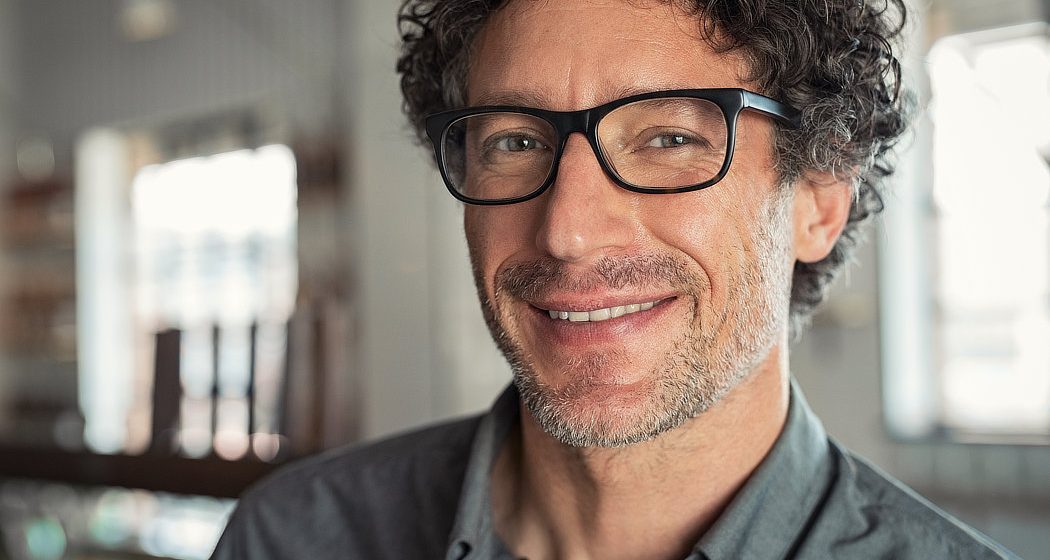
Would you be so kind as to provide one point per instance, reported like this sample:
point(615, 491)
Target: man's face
point(700, 281)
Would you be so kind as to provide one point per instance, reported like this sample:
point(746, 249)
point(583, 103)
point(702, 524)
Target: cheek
point(714, 230)
point(494, 235)
point(474, 229)
point(477, 245)
point(694, 224)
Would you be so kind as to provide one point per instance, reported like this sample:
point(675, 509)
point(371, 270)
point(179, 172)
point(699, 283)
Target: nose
point(586, 215)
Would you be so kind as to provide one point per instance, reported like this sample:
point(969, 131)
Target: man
point(657, 193)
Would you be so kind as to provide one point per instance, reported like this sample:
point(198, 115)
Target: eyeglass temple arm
point(784, 113)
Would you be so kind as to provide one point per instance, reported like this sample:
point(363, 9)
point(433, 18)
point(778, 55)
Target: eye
point(670, 141)
point(517, 143)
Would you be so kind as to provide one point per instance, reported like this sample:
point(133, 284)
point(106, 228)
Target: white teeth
point(601, 314)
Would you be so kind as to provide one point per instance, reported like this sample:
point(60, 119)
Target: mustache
point(529, 280)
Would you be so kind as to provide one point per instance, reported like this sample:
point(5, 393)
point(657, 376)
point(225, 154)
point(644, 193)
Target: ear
point(821, 209)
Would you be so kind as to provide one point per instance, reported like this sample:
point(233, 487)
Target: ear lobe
point(821, 209)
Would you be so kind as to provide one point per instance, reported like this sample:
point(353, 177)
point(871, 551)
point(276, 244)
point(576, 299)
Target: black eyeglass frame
point(730, 100)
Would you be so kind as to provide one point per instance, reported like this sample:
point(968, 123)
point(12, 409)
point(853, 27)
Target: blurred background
point(220, 249)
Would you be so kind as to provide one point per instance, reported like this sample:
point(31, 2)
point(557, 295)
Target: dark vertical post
point(253, 335)
point(214, 383)
point(319, 375)
point(283, 403)
point(167, 391)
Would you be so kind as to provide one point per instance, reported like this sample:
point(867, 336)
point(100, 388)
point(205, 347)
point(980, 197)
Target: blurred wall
point(966, 15)
point(423, 349)
point(9, 86)
point(83, 67)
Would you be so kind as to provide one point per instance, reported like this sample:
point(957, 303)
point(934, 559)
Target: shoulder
point(420, 452)
point(875, 515)
point(368, 499)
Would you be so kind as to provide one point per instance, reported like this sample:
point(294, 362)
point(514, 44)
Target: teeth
point(601, 314)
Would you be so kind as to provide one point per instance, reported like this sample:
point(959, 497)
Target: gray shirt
point(426, 495)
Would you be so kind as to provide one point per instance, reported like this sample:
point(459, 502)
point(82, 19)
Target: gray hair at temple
point(833, 59)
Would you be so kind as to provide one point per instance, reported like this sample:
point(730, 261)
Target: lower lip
point(590, 333)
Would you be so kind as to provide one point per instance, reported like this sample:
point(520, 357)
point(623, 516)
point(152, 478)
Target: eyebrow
point(518, 98)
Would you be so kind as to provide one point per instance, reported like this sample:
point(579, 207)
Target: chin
point(589, 413)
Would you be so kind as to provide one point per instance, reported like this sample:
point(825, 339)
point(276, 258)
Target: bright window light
point(989, 234)
point(216, 238)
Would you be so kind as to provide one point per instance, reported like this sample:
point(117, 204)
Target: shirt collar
point(769, 514)
point(474, 533)
point(763, 520)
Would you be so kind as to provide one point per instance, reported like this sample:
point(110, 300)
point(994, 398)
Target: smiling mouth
point(603, 314)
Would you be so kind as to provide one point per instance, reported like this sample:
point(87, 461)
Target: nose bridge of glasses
point(583, 122)
point(569, 122)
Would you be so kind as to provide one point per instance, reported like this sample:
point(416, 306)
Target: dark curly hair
point(833, 59)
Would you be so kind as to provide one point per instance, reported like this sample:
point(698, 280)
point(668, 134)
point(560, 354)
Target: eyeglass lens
point(664, 143)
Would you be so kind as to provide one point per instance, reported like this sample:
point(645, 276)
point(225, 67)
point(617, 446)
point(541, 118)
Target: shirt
point(426, 495)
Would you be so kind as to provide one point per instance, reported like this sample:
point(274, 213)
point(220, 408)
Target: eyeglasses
point(660, 142)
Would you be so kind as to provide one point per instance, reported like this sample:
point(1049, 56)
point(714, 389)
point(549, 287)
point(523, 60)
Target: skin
point(654, 496)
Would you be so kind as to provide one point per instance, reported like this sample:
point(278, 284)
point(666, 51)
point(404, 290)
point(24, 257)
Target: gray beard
point(701, 368)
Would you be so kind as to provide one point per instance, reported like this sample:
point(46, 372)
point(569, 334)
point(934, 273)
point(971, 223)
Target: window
point(967, 280)
point(205, 246)
point(215, 257)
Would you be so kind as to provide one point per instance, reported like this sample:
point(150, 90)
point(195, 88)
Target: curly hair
point(833, 59)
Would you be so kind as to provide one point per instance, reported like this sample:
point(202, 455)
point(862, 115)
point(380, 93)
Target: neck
point(650, 500)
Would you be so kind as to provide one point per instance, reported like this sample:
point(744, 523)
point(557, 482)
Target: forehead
point(574, 54)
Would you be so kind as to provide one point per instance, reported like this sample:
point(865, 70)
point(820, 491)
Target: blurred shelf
point(157, 473)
